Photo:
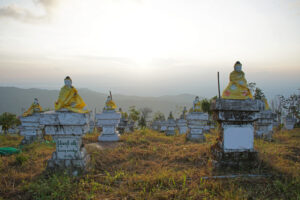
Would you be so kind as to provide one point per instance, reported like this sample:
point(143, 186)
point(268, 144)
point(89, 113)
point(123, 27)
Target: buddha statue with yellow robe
point(34, 108)
point(69, 98)
point(197, 105)
point(110, 104)
point(237, 87)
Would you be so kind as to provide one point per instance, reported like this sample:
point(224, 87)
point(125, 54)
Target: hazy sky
point(150, 47)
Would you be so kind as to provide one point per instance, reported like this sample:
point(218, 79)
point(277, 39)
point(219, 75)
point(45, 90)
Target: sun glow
point(113, 29)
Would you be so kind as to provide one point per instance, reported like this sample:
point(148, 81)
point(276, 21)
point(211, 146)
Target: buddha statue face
point(196, 99)
point(36, 101)
point(68, 81)
point(238, 66)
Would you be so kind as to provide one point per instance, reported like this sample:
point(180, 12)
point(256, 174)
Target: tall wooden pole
point(219, 85)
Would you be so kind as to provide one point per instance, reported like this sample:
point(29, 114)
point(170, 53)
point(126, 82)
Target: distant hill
point(16, 100)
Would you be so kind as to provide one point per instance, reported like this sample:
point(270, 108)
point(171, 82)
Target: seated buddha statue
point(237, 87)
point(171, 115)
point(182, 116)
point(34, 108)
point(69, 98)
point(197, 105)
point(110, 104)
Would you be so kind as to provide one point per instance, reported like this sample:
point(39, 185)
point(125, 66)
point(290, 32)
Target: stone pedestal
point(122, 125)
point(155, 125)
point(171, 125)
point(66, 129)
point(130, 126)
point(182, 126)
point(264, 125)
point(92, 126)
point(289, 122)
point(235, 145)
point(30, 128)
point(108, 120)
point(163, 126)
point(197, 121)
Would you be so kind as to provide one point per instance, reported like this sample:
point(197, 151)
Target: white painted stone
point(182, 126)
point(67, 128)
point(289, 123)
point(30, 128)
point(163, 126)
point(64, 118)
point(197, 121)
point(238, 138)
point(108, 120)
point(264, 124)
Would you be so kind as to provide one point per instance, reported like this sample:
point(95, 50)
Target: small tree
point(252, 87)
point(158, 116)
point(145, 112)
point(205, 106)
point(8, 120)
point(134, 114)
point(142, 122)
point(259, 94)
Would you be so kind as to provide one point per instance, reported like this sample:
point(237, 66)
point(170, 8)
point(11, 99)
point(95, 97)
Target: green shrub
point(21, 159)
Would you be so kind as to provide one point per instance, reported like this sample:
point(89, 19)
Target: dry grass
point(150, 165)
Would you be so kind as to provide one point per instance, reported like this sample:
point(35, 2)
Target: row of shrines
point(236, 113)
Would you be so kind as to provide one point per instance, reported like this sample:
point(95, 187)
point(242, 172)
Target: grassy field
point(149, 165)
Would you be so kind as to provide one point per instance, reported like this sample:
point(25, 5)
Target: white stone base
point(238, 138)
point(109, 137)
point(67, 128)
point(183, 129)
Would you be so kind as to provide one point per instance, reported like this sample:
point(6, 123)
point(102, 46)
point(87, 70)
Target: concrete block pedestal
point(197, 121)
point(67, 129)
point(108, 120)
point(235, 144)
point(31, 128)
point(182, 126)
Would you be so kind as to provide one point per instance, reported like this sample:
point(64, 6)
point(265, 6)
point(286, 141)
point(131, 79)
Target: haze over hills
point(16, 100)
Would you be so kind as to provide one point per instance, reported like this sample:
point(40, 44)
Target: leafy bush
point(21, 159)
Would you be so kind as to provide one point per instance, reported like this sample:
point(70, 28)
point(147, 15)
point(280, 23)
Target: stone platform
point(108, 120)
point(171, 125)
point(31, 129)
point(182, 126)
point(235, 144)
point(264, 125)
point(66, 129)
point(197, 121)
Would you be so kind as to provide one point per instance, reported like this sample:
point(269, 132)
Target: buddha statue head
point(36, 101)
point(238, 66)
point(196, 99)
point(171, 115)
point(68, 81)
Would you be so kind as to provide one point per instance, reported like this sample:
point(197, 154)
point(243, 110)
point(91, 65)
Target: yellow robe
point(111, 105)
point(69, 98)
point(237, 87)
point(198, 107)
point(33, 108)
point(267, 107)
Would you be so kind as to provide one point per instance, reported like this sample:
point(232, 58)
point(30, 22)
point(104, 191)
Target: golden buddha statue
point(197, 105)
point(34, 108)
point(69, 98)
point(237, 87)
point(110, 104)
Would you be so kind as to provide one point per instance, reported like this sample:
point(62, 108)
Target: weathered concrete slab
point(64, 118)
point(238, 138)
point(250, 105)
